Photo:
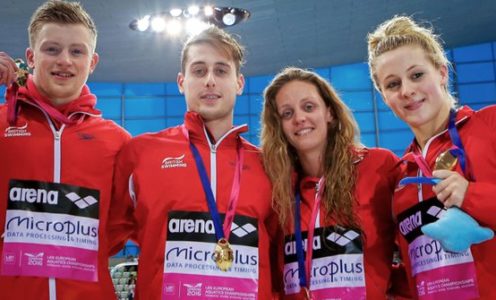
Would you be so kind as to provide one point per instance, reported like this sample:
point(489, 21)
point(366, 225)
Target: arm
point(121, 224)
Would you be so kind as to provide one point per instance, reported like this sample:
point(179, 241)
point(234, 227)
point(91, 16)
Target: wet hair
point(60, 12)
point(281, 160)
point(218, 39)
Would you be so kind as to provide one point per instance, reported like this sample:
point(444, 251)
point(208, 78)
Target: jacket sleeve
point(276, 255)
point(122, 225)
point(479, 200)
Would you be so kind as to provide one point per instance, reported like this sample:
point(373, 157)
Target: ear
point(329, 115)
point(180, 82)
point(241, 84)
point(443, 70)
point(30, 57)
point(94, 61)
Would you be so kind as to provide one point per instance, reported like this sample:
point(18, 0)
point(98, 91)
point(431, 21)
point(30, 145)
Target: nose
point(64, 58)
point(299, 116)
point(407, 89)
point(210, 79)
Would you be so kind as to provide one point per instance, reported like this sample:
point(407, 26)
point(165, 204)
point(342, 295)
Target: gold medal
point(445, 161)
point(223, 255)
point(22, 72)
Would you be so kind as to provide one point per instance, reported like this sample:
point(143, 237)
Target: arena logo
point(410, 223)
point(343, 239)
point(206, 226)
point(81, 202)
point(18, 194)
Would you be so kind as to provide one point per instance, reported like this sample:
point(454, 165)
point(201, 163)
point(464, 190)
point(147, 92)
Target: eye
point(221, 71)
point(286, 114)
point(198, 71)
point(393, 85)
point(417, 75)
point(77, 51)
point(308, 107)
point(51, 50)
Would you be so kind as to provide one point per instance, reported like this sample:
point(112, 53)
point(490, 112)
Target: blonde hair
point(280, 158)
point(218, 39)
point(60, 12)
point(401, 31)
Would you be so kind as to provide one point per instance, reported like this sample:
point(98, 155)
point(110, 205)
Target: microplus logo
point(174, 162)
point(17, 131)
point(82, 203)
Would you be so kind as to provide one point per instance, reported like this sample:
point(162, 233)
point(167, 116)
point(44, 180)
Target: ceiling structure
point(311, 33)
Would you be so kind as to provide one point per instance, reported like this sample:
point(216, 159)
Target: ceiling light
point(158, 24)
point(229, 19)
point(193, 10)
point(143, 23)
point(195, 16)
point(176, 12)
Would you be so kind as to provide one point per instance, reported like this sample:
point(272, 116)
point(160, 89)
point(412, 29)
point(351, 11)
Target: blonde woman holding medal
point(332, 194)
point(451, 161)
point(195, 197)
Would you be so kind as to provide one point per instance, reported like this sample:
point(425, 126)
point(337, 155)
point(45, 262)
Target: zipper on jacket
point(213, 157)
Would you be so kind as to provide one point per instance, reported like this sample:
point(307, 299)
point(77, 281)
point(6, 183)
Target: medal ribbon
point(456, 150)
point(225, 230)
point(305, 263)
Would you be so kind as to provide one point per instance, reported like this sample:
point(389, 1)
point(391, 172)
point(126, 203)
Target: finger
point(442, 174)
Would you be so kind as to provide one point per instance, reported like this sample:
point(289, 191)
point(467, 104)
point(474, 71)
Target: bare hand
point(8, 69)
point(452, 188)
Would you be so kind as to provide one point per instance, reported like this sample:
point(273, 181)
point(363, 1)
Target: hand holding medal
point(22, 72)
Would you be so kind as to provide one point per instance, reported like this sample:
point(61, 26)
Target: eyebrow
point(71, 45)
point(223, 64)
point(408, 69)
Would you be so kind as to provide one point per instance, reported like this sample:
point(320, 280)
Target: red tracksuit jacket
point(82, 155)
point(160, 173)
point(477, 131)
point(377, 174)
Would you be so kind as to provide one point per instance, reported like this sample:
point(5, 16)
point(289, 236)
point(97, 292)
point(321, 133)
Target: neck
point(218, 128)
point(427, 131)
point(312, 164)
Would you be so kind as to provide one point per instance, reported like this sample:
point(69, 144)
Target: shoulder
point(164, 138)
point(379, 160)
point(487, 115)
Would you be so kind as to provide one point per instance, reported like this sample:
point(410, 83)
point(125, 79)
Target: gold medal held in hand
point(22, 72)
point(445, 161)
point(223, 254)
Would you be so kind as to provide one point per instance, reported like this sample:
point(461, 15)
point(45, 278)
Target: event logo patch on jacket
point(438, 274)
point(189, 269)
point(51, 230)
point(337, 264)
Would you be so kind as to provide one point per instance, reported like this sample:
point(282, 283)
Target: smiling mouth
point(210, 97)
point(414, 105)
point(303, 131)
point(62, 74)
